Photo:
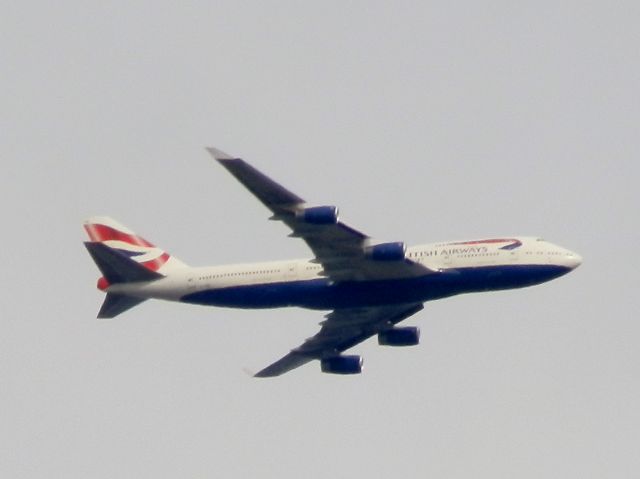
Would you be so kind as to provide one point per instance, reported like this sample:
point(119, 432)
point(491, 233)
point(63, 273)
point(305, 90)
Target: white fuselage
point(484, 255)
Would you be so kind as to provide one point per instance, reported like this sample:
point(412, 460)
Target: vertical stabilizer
point(117, 267)
point(124, 257)
point(105, 230)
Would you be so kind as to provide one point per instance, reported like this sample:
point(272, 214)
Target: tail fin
point(109, 232)
point(117, 267)
point(124, 257)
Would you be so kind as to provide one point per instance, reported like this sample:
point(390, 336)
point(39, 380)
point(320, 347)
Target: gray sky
point(423, 121)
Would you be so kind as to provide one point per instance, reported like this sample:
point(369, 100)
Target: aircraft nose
point(573, 260)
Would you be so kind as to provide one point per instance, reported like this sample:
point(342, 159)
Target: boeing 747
point(367, 286)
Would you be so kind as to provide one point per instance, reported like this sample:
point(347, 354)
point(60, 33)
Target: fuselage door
point(514, 256)
point(291, 271)
point(445, 259)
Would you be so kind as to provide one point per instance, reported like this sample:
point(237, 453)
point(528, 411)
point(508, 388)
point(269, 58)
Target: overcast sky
point(422, 121)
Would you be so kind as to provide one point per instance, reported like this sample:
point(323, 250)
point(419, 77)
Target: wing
point(340, 249)
point(343, 329)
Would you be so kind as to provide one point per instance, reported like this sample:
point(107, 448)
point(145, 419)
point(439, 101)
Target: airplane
point(368, 286)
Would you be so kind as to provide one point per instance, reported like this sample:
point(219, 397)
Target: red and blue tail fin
point(121, 239)
point(116, 267)
point(124, 257)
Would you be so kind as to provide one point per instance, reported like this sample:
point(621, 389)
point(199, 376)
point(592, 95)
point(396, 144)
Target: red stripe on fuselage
point(487, 241)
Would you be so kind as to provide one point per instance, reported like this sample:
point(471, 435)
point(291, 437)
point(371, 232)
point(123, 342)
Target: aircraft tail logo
point(125, 242)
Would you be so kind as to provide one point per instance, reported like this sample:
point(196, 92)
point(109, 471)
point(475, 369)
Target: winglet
point(219, 154)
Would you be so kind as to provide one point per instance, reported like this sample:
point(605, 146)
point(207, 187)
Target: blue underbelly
point(322, 294)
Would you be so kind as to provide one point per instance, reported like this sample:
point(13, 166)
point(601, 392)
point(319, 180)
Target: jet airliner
point(367, 286)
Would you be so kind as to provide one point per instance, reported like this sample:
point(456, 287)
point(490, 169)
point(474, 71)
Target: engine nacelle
point(342, 365)
point(387, 251)
point(319, 215)
point(407, 336)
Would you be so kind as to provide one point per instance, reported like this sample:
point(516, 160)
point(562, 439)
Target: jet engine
point(342, 365)
point(319, 215)
point(394, 251)
point(407, 336)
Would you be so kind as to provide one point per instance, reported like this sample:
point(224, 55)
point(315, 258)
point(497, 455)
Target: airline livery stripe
point(102, 233)
point(156, 264)
point(487, 241)
point(513, 243)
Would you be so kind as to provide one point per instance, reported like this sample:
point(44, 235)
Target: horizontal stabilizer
point(117, 267)
point(114, 304)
